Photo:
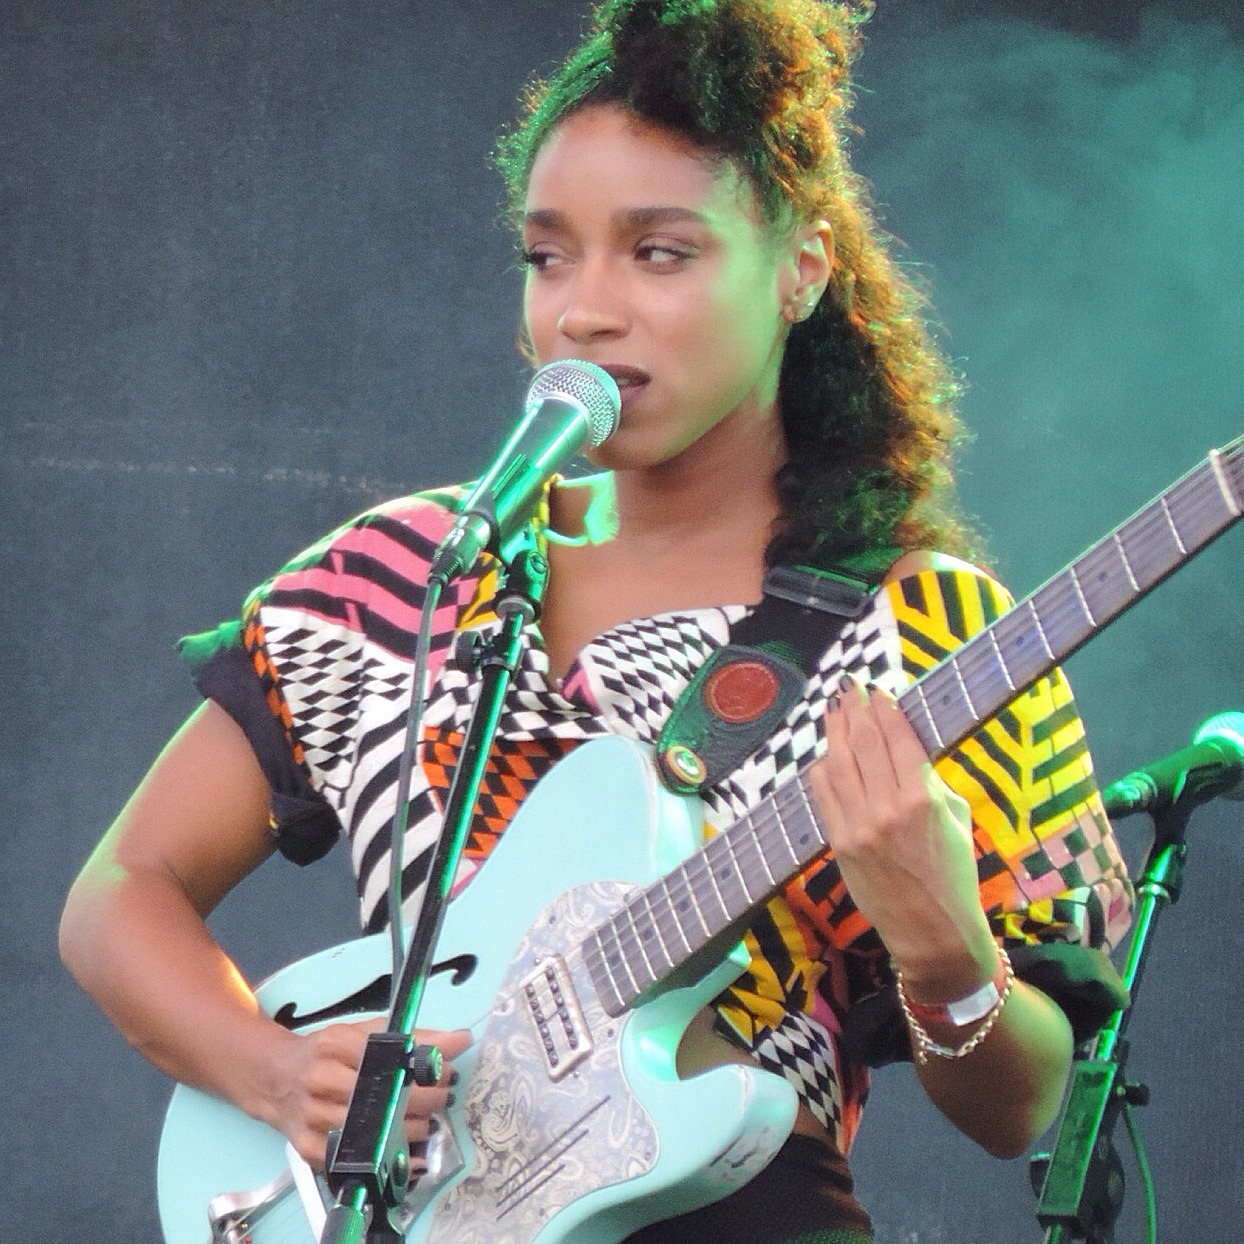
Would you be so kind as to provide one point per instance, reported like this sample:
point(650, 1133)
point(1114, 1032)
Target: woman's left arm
point(903, 841)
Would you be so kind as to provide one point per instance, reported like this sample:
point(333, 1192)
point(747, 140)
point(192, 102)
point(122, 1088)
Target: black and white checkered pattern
point(349, 697)
point(864, 649)
point(327, 674)
point(800, 1051)
point(638, 670)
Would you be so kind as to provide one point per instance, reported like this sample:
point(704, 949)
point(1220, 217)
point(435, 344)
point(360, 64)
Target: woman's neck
point(715, 493)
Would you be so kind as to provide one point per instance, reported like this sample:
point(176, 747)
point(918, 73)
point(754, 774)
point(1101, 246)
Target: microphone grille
point(1228, 726)
point(590, 386)
point(1226, 729)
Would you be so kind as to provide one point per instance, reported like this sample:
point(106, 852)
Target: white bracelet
point(925, 1045)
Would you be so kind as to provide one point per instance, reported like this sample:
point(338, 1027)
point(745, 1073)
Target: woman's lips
point(628, 379)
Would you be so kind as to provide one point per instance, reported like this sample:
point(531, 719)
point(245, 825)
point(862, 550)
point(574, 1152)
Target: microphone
point(570, 404)
point(1213, 765)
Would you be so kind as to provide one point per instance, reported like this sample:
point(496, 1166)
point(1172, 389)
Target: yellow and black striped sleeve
point(1052, 879)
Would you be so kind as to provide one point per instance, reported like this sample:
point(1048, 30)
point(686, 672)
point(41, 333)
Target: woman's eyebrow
point(626, 217)
point(648, 217)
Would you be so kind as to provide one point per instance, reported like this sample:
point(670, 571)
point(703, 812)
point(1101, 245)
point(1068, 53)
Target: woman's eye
point(662, 254)
point(537, 259)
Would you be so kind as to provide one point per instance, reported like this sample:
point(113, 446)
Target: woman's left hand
point(903, 840)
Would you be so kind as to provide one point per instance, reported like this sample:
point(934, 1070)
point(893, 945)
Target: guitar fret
point(633, 949)
point(1019, 633)
point(686, 903)
point(735, 895)
point(803, 811)
point(645, 967)
point(1224, 485)
point(967, 695)
point(916, 710)
point(815, 835)
point(781, 858)
point(1126, 564)
point(750, 860)
point(655, 944)
point(1170, 519)
point(1063, 624)
point(715, 846)
point(1075, 582)
point(710, 907)
point(667, 917)
point(804, 808)
point(613, 997)
point(916, 691)
point(780, 839)
point(1103, 571)
point(619, 961)
point(998, 689)
point(983, 671)
point(1039, 629)
point(1159, 546)
point(1201, 508)
point(944, 690)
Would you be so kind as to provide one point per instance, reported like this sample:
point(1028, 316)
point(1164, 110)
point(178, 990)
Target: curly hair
point(866, 397)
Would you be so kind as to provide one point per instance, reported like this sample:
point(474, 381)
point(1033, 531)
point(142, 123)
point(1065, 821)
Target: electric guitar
point(578, 958)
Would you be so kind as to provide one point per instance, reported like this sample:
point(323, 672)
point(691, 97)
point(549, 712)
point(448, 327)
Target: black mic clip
point(1138, 792)
point(1212, 765)
point(456, 553)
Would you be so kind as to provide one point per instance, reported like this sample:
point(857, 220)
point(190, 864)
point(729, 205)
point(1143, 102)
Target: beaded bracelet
point(925, 1045)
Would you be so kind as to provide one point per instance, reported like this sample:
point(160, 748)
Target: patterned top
point(329, 642)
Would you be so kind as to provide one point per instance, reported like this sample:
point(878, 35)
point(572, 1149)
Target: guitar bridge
point(553, 1008)
point(233, 1216)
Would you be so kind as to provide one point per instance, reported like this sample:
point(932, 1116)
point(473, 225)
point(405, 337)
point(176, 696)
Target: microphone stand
point(1082, 1184)
point(369, 1165)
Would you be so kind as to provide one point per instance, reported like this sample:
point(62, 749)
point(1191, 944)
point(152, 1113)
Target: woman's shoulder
point(414, 518)
point(931, 589)
point(917, 561)
point(382, 547)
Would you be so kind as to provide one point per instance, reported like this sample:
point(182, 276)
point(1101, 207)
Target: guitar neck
point(665, 924)
point(1007, 657)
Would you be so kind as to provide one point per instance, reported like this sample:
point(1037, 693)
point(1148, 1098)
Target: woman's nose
point(594, 307)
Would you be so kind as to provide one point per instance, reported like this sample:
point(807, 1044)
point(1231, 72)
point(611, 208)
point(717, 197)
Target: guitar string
point(1064, 591)
point(1050, 605)
point(1052, 616)
point(1053, 602)
point(762, 829)
point(1197, 500)
point(695, 879)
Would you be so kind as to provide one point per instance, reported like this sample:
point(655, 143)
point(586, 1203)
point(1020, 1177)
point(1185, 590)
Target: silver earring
point(795, 311)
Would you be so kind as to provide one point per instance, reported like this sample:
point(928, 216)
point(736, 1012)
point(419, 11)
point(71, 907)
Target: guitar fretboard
point(669, 921)
point(1006, 658)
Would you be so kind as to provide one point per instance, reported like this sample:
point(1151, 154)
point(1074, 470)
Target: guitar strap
point(745, 688)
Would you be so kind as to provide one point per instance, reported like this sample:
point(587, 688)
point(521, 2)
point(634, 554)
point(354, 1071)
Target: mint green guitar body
point(571, 1123)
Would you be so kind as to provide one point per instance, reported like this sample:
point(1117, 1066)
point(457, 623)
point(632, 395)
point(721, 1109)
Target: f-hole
point(372, 997)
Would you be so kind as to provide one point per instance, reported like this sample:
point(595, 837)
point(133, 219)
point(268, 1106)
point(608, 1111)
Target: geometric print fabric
point(332, 639)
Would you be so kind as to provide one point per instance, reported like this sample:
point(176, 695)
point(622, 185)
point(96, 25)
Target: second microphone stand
point(1082, 1190)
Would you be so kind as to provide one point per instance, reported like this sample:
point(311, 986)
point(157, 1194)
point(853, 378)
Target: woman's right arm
point(134, 935)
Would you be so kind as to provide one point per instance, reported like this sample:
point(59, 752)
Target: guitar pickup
point(554, 1011)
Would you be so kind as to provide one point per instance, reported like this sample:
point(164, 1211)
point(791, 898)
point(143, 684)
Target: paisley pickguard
point(544, 1136)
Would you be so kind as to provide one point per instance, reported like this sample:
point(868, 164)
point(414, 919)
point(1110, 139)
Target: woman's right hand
point(318, 1074)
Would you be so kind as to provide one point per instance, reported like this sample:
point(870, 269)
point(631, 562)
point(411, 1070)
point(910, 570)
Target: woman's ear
point(813, 255)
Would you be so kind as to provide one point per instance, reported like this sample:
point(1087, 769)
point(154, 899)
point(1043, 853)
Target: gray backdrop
point(251, 281)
